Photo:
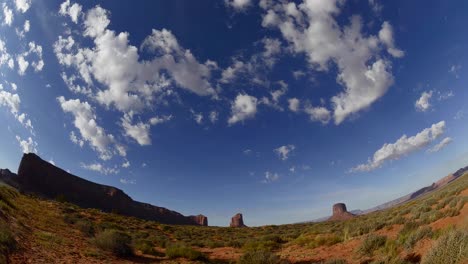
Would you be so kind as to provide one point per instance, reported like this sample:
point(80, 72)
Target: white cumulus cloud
point(442, 144)
point(403, 146)
point(244, 107)
point(423, 103)
point(283, 152)
point(311, 29)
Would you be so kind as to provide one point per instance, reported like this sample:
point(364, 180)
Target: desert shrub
point(371, 243)
point(260, 245)
point(71, 218)
point(431, 216)
point(408, 227)
point(451, 248)
point(114, 241)
point(7, 241)
point(417, 235)
point(86, 227)
point(182, 251)
point(259, 257)
point(147, 247)
point(237, 243)
point(7, 194)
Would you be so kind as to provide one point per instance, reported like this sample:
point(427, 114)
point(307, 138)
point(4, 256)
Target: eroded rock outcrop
point(40, 177)
point(237, 221)
point(340, 213)
point(200, 219)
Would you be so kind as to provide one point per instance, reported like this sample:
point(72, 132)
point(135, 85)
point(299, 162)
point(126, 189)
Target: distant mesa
point(40, 177)
point(340, 213)
point(200, 219)
point(237, 221)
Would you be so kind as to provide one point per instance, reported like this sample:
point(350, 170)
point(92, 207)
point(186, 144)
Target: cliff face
point(38, 176)
point(237, 221)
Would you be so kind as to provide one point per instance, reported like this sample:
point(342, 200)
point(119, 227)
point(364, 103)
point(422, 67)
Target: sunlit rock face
point(237, 221)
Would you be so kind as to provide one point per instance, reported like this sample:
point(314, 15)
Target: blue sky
point(275, 109)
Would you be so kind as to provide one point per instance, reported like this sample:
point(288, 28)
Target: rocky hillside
point(42, 178)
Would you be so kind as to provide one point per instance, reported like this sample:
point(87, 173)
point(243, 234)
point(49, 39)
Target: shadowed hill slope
point(40, 177)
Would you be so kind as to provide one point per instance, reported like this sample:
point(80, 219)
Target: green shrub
point(182, 251)
point(114, 241)
point(371, 243)
point(86, 227)
point(7, 241)
point(417, 235)
point(261, 245)
point(147, 247)
point(259, 257)
point(451, 248)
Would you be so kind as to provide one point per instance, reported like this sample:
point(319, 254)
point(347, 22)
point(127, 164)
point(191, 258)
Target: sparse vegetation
point(114, 241)
point(182, 251)
point(107, 236)
point(260, 257)
point(451, 248)
point(371, 243)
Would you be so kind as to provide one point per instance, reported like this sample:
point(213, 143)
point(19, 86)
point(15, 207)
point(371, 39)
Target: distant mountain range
point(425, 190)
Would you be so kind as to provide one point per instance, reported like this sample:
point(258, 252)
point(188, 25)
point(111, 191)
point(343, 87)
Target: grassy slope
point(44, 231)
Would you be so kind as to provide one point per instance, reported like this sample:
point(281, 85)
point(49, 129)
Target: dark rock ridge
point(340, 213)
point(237, 221)
point(40, 177)
point(8, 177)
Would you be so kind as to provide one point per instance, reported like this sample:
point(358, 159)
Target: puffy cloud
point(10, 100)
point(386, 36)
point(98, 167)
point(126, 82)
point(198, 117)
point(270, 177)
point(76, 140)
point(244, 107)
point(27, 146)
point(126, 164)
point(85, 122)
point(403, 146)
point(442, 144)
point(26, 26)
point(294, 104)
point(160, 119)
point(141, 131)
point(7, 15)
point(22, 65)
point(74, 11)
point(254, 68)
point(423, 103)
point(318, 113)
point(213, 116)
point(5, 57)
point(283, 152)
point(310, 28)
point(22, 5)
point(238, 5)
